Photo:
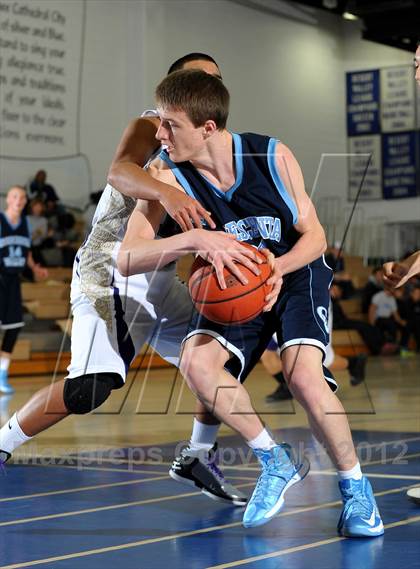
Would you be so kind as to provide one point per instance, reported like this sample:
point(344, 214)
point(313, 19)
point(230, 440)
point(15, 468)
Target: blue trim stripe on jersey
point(326, 334)
point(239, 167)
point(271, 159)
point(178, 174)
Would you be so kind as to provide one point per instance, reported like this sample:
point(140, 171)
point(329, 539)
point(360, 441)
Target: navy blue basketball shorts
point(299, 317)
point(11, 311)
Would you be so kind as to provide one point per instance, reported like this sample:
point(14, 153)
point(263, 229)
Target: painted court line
point(81, 467)
point(305, 547)
point(382, 461)
point(168, 463)
point(107, 508)
point(124, 471)
point(179, 535)
point(97, 487)
point(78, 489)
point(369, 474)
point(246, 467)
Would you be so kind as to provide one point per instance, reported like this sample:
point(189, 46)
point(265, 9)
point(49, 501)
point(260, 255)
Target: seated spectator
point(334, 258)
point(355, 365)
point(371, 335)
point(89, 213)
point(383, 313)
point(38, 225)
point(40, 189)
point(374, 285)
point(66, 238)
point(412, 316)
point(59, 249)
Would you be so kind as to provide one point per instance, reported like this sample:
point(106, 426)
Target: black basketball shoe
point(203, 473)
point(282, 393)
point(4, 457)
point(357, 369)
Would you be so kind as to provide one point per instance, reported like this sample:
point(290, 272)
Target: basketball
point(238, 303)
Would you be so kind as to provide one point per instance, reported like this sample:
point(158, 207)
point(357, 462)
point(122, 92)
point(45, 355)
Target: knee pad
point(87, 392)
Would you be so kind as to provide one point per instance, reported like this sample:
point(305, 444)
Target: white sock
point(203, 436)
point(355, 473)
point(12, 436)
point(4, 363)
point(263, 441)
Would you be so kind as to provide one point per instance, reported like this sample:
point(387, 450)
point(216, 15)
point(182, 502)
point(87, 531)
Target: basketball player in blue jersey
point(15, 254)
point(101, 354)
point(254, 189)
point(397, 273)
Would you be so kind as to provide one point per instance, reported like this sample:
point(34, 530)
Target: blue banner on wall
point(383, 115)
point(399, 158)
point(363, 103)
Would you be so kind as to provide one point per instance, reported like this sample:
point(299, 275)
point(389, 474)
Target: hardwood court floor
point(156, 407)
point(108, 501)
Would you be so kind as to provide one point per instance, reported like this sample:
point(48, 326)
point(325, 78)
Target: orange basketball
point(236, 304)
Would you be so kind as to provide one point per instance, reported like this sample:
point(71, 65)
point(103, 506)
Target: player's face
point(16, 200)
point(417, 65)
point(176, 131)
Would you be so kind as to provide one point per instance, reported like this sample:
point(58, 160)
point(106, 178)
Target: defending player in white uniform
point(114, 316)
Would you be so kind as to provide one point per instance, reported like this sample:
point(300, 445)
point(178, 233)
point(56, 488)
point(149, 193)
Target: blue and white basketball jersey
point(15, 244)
point(257, 208)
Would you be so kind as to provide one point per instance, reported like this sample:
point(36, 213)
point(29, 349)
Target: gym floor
point(94, 491)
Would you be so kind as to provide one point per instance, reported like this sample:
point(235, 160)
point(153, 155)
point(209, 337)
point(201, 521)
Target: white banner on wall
point(360, 148)
point(41, 45)
point(398, 103)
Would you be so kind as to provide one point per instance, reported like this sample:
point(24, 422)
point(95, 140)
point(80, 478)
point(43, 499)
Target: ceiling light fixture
point(350, 16)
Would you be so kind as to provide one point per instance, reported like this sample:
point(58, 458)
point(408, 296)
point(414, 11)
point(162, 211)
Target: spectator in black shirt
point(374, 285)
point(40, 189)
point(334, 259)
point(371, 335)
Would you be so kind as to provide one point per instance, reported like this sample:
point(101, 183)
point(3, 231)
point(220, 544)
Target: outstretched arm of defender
point(140, 252)
point(396, 274)
point(126, 175)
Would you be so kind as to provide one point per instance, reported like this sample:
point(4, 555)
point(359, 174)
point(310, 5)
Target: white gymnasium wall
point(93, 103)
point(286, 77)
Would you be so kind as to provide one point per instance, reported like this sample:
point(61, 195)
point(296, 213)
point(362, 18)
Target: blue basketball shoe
point(5, 386)
point(279, 472)
point(360, 516)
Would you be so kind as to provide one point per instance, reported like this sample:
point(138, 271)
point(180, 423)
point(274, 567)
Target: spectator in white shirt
point(383, 313)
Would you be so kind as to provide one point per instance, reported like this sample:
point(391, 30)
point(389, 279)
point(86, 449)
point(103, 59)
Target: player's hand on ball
point(224, 250)
point(186, 211)
point(276, 281)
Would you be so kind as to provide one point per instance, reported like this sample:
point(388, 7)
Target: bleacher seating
point(62, 274)
point(22, 350)
point(48, 290)
point(50, 301)
point(358, 271)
